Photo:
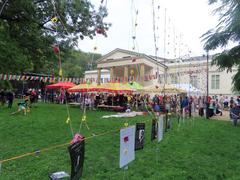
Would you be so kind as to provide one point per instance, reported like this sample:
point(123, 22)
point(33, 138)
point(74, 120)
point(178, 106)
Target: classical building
point(123, 66)
point(92, 75)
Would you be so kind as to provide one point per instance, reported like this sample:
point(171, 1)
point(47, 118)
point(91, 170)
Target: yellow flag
point(54, 19)
point(84, 118)
point(60, 72)
point(68, 120)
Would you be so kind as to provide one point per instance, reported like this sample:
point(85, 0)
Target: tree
point(227, 30)
point(32, 27)
point(77, 62)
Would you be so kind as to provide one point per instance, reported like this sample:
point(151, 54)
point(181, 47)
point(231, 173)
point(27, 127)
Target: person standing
point(10, 97)
point(201, 106)
point(234, 114)
point(231, 102)
point(184, 106)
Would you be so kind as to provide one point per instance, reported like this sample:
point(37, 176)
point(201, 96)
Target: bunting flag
point(23, 77)
point(76, 80)
point(5, 77)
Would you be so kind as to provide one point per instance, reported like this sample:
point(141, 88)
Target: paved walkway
point(224, 117)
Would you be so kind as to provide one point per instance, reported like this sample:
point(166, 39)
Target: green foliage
point(199, 149)
point(27, 33)
point(227, 30)
point(78, 62)
point(5, 85)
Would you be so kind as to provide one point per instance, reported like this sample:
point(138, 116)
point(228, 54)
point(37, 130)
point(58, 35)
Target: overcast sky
point(189, 19)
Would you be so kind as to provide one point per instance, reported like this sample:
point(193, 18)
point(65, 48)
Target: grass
point(199, 149)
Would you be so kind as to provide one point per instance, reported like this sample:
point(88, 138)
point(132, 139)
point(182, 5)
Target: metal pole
point(165, 70)
point(207, 103)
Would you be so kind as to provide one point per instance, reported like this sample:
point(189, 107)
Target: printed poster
point(139, 136)
point(154, 129)
point(76, 151)
point(160, 128)
point(127, 144)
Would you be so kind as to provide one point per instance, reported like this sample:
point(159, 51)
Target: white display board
point(160, 128)
point(127, 144)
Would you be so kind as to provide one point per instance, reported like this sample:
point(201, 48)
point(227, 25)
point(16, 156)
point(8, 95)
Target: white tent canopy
point(191, 90)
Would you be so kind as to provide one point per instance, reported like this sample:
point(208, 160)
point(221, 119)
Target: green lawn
point(199, 149)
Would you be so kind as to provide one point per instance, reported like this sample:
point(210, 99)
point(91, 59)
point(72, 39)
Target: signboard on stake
point(154, 129)
point(139, 136)
point(76, 151)
point(127, 142)
point(160, 128)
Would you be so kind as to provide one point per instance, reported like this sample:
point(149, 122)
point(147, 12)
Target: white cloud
point(191, 18)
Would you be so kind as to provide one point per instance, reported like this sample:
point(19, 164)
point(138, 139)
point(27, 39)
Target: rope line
point(54, 147)
point(61, 145)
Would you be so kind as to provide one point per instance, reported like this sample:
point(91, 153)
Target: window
point(194, 81)
point(215, 81)
point(174, 79)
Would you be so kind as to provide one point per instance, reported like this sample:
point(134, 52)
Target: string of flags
point(76, 80)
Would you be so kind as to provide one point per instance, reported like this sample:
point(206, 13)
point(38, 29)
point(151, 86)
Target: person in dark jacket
point(234, 114)
point(10, 97)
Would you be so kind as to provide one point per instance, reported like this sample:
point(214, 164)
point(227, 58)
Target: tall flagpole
point(207, 103)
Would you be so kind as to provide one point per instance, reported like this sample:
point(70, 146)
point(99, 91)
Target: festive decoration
point(61, 85)
point(60, 72)
point(100, 31)
point(68, 120)
point(84, 118)
point(78, 80)
point(77, 137)
point(54, 19)
point(56, 49)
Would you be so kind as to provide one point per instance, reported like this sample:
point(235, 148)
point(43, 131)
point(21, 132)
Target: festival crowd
point(182, 104)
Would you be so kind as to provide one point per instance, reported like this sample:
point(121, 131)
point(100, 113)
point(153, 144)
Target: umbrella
point(115, 88)
point(134, 86)
point(61, 85)
point(160, 88)
point(86, 87)
point(154, 88)
point(107, 87)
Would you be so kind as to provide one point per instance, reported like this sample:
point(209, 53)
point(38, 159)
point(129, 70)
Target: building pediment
point(117, 54)
point(122, 55)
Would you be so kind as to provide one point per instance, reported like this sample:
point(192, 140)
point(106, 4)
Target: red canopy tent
point(61, 85)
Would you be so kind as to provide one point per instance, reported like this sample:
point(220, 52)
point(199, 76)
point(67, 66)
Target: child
point(22, 106)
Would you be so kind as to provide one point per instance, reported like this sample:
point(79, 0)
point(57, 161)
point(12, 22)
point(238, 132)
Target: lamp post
point(207, 103)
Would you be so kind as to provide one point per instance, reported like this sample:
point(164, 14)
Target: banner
point(76, 151)
point(160, 128)
point(127, 142)
point(139, 136)
point(154, 129)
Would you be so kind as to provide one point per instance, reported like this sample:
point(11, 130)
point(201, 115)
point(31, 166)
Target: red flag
point(56, 49)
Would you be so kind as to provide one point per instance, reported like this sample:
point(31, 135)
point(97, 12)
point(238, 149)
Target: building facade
point(123, 66)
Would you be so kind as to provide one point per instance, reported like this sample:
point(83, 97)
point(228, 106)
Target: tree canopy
point(30, 28)
point(228, 29)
